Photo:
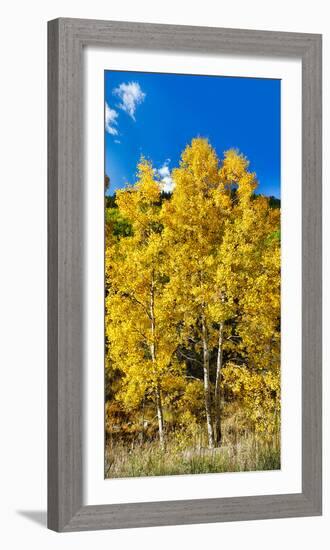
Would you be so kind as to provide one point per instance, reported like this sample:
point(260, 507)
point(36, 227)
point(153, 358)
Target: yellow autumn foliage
point(193, 301)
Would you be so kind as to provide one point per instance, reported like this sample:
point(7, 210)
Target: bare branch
point(190, 358)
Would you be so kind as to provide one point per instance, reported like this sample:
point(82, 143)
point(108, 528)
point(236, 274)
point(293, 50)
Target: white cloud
point(117, 141)
point(130, 95)
point(165, 177)
point(111, 120)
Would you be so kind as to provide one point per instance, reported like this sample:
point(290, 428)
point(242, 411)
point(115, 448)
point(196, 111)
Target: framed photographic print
point(184, 367)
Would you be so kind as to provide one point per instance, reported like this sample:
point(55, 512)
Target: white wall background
point(23, 272)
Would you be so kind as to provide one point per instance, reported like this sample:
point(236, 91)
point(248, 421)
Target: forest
point(192, 320)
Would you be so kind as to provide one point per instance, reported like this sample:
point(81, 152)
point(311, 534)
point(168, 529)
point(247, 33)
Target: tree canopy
point(192, 301)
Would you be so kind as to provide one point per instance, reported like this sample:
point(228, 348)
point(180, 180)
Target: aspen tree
point(139, 325)
point(192, 223)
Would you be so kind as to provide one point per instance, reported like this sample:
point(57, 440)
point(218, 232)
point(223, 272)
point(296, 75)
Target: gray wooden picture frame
point(66, 41)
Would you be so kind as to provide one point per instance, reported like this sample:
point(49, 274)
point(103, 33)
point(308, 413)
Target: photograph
point(192, 255)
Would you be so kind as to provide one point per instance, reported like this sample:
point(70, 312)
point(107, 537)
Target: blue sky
point(157, 115)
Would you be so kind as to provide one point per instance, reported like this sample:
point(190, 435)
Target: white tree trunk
point(160, 418)
point(217, 396)
point(207, 391)
point(159, 406)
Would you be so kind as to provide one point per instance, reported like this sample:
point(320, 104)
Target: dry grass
point(240, 452)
